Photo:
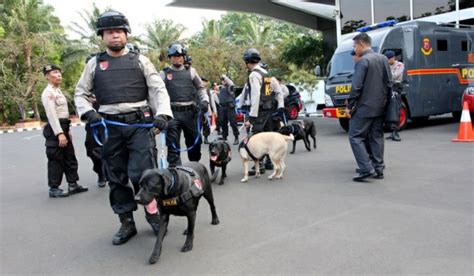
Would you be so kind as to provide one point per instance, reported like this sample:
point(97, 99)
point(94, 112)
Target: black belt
point(131, 117)
point(181, 108)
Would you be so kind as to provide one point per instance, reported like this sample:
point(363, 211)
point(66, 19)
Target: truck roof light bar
point(379, 25)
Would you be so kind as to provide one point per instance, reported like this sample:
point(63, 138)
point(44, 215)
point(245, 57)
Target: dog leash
point(196, 140)
point(103, 122)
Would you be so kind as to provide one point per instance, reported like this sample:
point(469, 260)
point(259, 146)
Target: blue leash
point(198, 136)
point(104, 124)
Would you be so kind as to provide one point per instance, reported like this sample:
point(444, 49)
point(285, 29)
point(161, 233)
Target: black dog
point(177, 191)
point(219, 156)
point(301, 131)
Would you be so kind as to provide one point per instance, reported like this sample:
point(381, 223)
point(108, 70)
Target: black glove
point(91, 117)
point(252, 120)
point(204, 107)
point(281, 110)
point(161, 122)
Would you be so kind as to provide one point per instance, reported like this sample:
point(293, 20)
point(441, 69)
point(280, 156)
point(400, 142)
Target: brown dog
point(177, 191)
point(272, 143)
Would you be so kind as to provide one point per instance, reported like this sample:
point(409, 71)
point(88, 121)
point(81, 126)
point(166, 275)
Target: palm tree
point(87, 30)
point(213, 32)
point(159, 35)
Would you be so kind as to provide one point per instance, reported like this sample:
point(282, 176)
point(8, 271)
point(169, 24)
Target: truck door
point(443, 91)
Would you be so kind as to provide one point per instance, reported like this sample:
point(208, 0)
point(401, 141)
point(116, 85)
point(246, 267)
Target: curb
point(33, 128)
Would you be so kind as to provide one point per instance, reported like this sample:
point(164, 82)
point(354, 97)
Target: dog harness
point(195, 187)
point(243, 144)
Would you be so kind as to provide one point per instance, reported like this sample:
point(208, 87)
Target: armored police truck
point(439, 63)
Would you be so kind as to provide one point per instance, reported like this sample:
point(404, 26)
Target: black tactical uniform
point(129, 92)
point(188, 97)
point(227, 109)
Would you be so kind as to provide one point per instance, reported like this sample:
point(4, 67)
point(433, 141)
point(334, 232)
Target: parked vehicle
point(438, 62)
point(468, 97)
point(293, 103)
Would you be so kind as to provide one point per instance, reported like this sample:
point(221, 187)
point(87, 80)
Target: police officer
point(397, 68)
point(227, 108)
point(93, 149)
point(262, 99)
point(206, 128)
point(129, 92)
point(188, 99)
point(59, 147)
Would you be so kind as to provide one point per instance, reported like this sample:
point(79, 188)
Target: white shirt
point(55, 105)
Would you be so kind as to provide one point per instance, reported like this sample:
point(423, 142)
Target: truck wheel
point(344, 124)
point(403, 116)
point(420, 120)
point(293, 112)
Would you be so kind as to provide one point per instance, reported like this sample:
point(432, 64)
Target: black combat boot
point(101, 182)
point(56, 192)
point(236, 140)
point(206, 141)
point(154, 221)
point(262, 169)
point(127, 229)
point(396, 136)
point(75, 188)
point(268, 163)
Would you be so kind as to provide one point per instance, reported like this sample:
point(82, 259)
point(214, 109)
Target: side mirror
point(317, 71)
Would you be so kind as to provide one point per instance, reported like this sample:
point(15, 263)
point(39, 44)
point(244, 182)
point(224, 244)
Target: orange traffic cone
point(465, 133)
point(213, 120)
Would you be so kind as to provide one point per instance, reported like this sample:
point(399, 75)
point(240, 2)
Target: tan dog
point(272, 143)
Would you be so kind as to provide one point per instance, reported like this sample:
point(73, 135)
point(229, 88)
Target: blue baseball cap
point(389, 54)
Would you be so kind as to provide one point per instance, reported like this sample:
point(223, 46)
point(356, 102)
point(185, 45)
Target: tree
point(87, 29)
point(159, 35)
point(30, 34)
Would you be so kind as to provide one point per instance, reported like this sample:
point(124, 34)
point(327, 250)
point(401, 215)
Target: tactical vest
point(180, 85)
point(267, 96)
point(225, 97)
point(119, 79)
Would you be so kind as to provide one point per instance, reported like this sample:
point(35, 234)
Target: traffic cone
point(213, 122)
point(465, 133)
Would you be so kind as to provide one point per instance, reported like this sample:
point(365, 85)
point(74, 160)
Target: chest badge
point(103, 65)
point(169, 76)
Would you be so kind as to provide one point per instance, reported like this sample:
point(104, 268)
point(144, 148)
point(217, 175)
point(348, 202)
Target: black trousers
point(185, 121)
point(94, 150)
point(227, 114)
point(127, 152)
point(264, 121)
point(60, 160)
point(206, 128)
point(367, 142)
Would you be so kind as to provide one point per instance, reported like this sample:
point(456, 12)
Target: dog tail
point(289, 137)
point(214, 175)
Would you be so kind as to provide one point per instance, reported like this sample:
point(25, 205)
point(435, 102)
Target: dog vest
point(195, 188)
point(243, 144)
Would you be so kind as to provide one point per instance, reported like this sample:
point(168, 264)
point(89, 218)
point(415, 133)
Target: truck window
point(398, 53)
point(442, 45)
point(464, 44)
point(342, 63)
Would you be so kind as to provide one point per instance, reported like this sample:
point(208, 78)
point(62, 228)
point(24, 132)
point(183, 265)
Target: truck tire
point(344, 124)
point(457, 115)
point(403, 116)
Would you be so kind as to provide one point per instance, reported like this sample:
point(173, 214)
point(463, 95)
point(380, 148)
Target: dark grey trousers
point(367, 142)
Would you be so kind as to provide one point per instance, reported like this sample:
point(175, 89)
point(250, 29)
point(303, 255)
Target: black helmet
point(176, 49)
point(188, 59)
point(252, 56)
point(112, 20)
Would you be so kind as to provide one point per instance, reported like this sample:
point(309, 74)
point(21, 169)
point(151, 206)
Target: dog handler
point(59, 147)
point(262, 99)
point(131, 96)
point(188, 96)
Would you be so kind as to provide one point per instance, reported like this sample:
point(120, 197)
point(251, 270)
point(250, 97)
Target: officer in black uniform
point(131, 96)
point(59, 147)
point(227, 108)
point(188, 100)
point(262, 99)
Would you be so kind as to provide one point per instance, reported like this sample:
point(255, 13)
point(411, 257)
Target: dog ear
point(168, 181)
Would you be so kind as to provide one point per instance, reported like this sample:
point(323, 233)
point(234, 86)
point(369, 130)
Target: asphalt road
point(418, 220)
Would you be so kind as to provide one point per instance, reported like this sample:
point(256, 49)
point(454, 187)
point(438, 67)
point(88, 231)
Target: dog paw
point(270, 177)
point(221, 183)
point(292, 152)
point(153, 258)
point(187, 247)
point(243, 180)
point(215, 221)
